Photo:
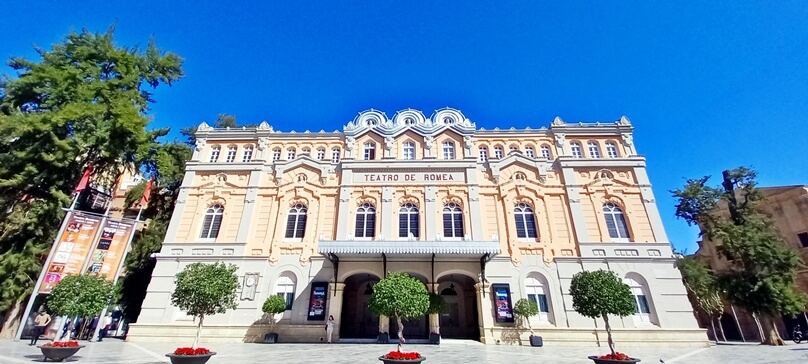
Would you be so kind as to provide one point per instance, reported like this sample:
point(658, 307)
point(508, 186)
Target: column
point(486, 319)
point(179, 207)
point(335, 308)
point(344, 202)
point(475, 210)
point(574, 197)
point(384, 324)
point(430, 215)
point(650, 204)
point(387, 213)
point(249, 207)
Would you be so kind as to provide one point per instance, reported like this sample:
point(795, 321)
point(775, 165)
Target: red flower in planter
point(62, 344)
point(616, 356)
point(398, 355)
point(191, 351)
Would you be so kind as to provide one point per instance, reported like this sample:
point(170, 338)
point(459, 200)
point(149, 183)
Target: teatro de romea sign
point(409, 177)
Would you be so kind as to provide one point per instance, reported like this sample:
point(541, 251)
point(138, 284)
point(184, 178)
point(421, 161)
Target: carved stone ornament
point(200, 144)
point(469, 143)
point(558, 122)
point(628, 139)
point(263, 142)
point(560, 140)
point(349, 143)
point(388, 143)
point(428, 141)
point(249, 286)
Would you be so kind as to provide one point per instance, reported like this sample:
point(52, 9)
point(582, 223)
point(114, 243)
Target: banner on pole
point(73, 245)
point(110, 249)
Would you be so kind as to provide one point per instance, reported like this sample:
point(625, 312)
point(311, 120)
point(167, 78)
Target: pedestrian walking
point(41, 322)
point(106, 324)
point(329, 328)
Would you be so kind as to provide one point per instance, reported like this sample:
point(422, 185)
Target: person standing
point(106, 323)
point(41, 322)
point(329, 328)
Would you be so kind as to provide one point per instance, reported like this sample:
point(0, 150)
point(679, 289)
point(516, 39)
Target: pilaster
point(576, 210)
point(650, 205)
point(430, 212)
point(344, 202)
point(179, 207)
point(484, 316)
point(335, 307)
point(475, 211)
point(387, 213)
point(249, 207)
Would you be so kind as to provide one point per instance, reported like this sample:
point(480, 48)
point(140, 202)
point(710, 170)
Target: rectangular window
point(448, 150)
point(248, 152)
point(320, 154)
point(541, 301)
point(641, 305)
point(803, 239)
point(335, 156)
point(231, 154)
point(529, 152)
point(276, 155)
point(407, 223)
point(409, 151)
point(295, 226)
point(290, 154)
point(497, 152)
point(483, 154)
point(453, 225)
point(365, 225)
point(214, 154)
point(370, 151)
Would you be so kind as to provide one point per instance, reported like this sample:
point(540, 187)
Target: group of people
point(72, 327)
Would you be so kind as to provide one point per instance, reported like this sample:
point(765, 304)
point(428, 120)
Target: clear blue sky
point(708, 85)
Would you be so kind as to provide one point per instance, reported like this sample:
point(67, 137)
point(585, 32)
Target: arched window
point(306, 151)
point(452, 221)
point(536, 292)
point(365, 221)
point(497, 152)
point(320, 154)
point(290, 154)
point(408, 221)
point(611, 150)
point(296, 222)
point(642, 310)
point(525, 222)
point(212, 222)
point(409, 150)
point(214, 153)
point(370, 151)
point(519, 176)
point(513, 148)
point(409, 121)
point(530, 152)
point(616, 222)
point(286, 289)
point(546, 153)
point(335, 153)
point(448, 150)
point(248, 153)
point(276, 155)
point(483, 154)
point(577, 151)
point(231, 154)
point(594, 149)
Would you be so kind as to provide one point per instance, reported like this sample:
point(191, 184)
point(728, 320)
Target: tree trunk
point(400, 332)
point(760, 328)
point(721, 327)
point(608, 333)
point(774, 338)
point(12, 321)
point(198, 330)
point(529, 327)
point(715, 333)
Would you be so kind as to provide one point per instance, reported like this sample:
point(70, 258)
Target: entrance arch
point(459, 319)
point(357, 322)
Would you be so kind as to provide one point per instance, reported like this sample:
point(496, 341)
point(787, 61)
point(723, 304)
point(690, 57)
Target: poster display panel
point(110, 248)
point(317, 301)
point(502, 302)
point(73, 245)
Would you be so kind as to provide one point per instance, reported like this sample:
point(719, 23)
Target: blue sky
point(708, 85)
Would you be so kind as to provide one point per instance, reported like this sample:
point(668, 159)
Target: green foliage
point(525, 308)
point(206, 289)
point(274, 304)
point(600, 293)
point(399, 295)
point(436, 303)
point(80, 295)
point(222, 121)
point(701, 284)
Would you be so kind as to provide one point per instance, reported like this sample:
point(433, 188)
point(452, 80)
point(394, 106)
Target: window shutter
point(370, 225)
point(205, 233)
point(458, 225)
point(402, 225)
point(216, 225)
point(530, 223)
point(447, 224)
point(520, 225)
point(543, 306)
point(301, 226)
point(359, 232)
point(290, 226)
point(622, 227)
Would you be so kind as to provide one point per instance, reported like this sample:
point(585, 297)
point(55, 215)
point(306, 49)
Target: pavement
point(119, 352)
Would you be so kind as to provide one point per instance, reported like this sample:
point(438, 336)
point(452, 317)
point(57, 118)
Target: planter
point(434, 338)
point(270, 338)
point(393, 361)
point(611, 361)
point(536, 341)
point(190, 359)
point(58, 354)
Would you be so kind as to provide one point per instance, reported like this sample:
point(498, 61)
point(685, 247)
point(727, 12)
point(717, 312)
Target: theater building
point(482, 217)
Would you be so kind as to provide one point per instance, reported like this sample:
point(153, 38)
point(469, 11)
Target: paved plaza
point(117, 352)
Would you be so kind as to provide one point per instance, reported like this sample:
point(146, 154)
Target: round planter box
point(58, 354)
point(392, 361)
point(190, 359)
point(610, 361)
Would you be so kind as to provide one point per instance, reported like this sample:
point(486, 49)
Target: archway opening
point(460, 319)
point(357, 322)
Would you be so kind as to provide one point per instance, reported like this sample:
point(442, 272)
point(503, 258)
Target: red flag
point(85, 179)
point(147, 193)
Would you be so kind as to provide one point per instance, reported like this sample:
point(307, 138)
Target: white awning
point(445, 248)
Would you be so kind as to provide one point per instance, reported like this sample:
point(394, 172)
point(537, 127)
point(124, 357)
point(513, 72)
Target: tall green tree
point(401, 296)
point(701, 285)
point(760, 267)
point(84, 103)
point(203, 289)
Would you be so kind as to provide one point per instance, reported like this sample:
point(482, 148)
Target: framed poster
point(502, 302)
point(73, 245)
point(317, 301)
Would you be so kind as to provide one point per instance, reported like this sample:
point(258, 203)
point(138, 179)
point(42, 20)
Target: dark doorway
point(357, 322)
point(460, 319)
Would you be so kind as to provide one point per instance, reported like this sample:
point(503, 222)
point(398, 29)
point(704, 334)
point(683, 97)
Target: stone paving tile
point(117, 352)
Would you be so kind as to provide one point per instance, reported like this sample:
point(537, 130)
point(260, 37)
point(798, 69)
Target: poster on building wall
point(317, 301)
point(110, 248)
point(502, 302)
point(72, 247)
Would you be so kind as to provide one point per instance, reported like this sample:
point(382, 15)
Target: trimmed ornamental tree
point(601, 293)
point(80, 296)
point(205, 289)
point(273, 305)
point(401, 296)
point(525, 309)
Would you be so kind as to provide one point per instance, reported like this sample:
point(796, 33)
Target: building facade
point(787, 207)
point(482, 217)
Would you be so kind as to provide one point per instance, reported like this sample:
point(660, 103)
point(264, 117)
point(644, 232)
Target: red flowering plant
point(400, 355)
point(191, 351)
point(616, 356)
point(62, 344)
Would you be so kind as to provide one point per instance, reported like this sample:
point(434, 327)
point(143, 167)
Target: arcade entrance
point(459, 320)
point(357, 322)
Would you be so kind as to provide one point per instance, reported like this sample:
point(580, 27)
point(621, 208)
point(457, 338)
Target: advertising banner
point(73, 245)
point(502, 302)
point(317, 301)
point(110, 248)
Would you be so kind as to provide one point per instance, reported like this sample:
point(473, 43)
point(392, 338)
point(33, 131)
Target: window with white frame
point(231, 154)
point(642, 310)
point(452, 221)
point(448, 150)
point(335, 153)
point(483, 154)
point(214, 153)
point(365, 221)
point(594, 149)
point(290, 154)
point(408, 221)
point(512, 149)
point(616, 222)
point(530, 152)
point(497, 152)
point(296, 222)
point(409, 150)
point(212, 222)
point(611, 150)
point(320, 154)
point(577, 151)
point(286, 289)
point(306, 151)
point(369, 151)
point(536, 292)
point(248, 154)
point(276, 155)
point(546, 153)
point(525, 221)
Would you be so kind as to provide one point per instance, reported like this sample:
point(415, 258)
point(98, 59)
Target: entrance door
point(357, 322)
point(459, 319)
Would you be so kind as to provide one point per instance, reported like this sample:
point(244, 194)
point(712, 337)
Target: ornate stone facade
point(459, 207)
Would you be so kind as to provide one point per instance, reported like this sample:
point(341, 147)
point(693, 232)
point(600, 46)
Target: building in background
point(482, 217)
point(787, 206)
